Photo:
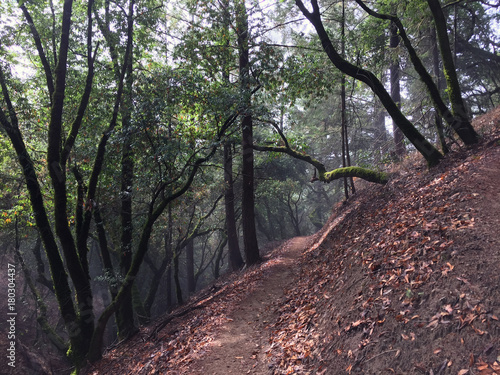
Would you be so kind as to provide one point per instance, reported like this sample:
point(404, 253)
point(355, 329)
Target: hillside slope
point(404, 279)
point(408, 282)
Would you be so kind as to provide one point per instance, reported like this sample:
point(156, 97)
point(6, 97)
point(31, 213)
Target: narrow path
point(241, 344)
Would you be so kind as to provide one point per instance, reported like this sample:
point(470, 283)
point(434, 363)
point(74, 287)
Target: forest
point(149, 147)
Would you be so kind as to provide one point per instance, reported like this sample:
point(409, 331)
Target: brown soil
point(408, 282)
point(242, 341)
point(404, 279)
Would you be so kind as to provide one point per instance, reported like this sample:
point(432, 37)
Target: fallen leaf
point(478, 331)
point(448, 309)
point(463, 372)
point(432, 324)
point(464, 280)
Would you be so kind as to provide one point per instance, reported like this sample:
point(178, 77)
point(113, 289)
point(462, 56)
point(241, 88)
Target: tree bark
point(396, 91)
point(235, 259)
point(80, 331)
point(251, 247)
point(177, 281)
point(463, 125)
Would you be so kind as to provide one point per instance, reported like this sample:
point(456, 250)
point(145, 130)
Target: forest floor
point(403, 279)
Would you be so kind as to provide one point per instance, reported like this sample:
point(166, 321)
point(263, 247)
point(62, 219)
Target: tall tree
point(125, 314)
point(458, 109)
point(428, 151)
point(235, 259)
point(251, 247)
point(396, 89)
point(437, 73)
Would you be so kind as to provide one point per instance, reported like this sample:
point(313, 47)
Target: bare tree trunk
point(178, 288)
point(396, 92)
point(251, 247)
point(235, 259)
point(346, 158)
point(437, 72)
point(191, 283)
point(462, 125)
point(343, 124)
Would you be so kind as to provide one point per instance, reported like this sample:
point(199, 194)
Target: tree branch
point(430, 153)
point(323, 175)
point(425, 77)
point(41, 53)
point(84, 101)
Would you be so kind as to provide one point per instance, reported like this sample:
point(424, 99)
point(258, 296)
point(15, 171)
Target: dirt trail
point(241, 344)
point(403, 275)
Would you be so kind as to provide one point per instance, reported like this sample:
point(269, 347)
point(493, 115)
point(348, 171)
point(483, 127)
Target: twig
point(379, 354)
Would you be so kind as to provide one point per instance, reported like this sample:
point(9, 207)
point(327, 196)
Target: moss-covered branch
point(323, 174)
point(363, 173)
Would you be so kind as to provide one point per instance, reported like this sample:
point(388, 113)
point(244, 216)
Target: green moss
point(75, 356)
point(363, 173)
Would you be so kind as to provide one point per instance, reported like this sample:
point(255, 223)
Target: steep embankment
point(408, 282)
point(404, 279)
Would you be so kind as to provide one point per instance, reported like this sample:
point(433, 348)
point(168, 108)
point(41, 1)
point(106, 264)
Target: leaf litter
point(404, 279)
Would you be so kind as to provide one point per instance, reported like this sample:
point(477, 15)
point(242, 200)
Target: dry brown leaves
point(385, 290)
point(182, 340)
point(387, 258)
